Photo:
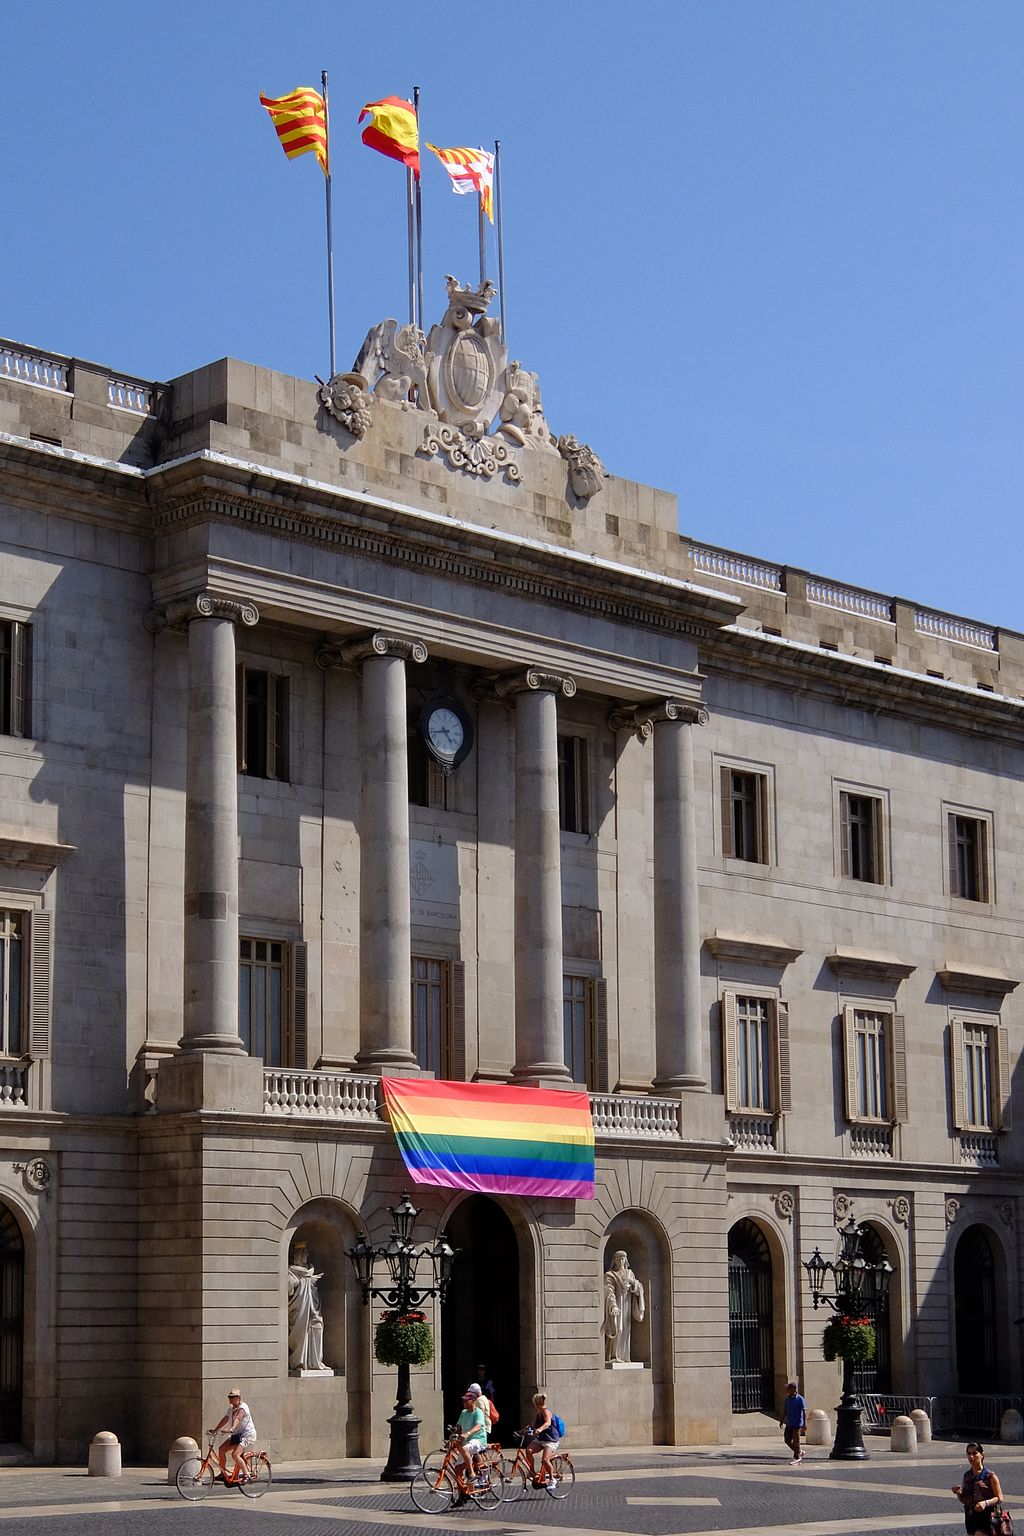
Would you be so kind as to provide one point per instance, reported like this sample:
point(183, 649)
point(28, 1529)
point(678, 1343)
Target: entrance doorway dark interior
point(12, 1303)
point(480, 1316)
point(974, 1283)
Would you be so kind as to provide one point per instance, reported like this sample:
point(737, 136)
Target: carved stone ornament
point(37, 1176)
point(842, 1207)
point(952, 1211)
point(532, 680)
point(476, 455)
point(642, 718)
point(784, 1204)
point(900, 1207)
point(352, 653)
point(521, 413)
point(586, 472)
point(180, 613)
point(1006, 1212)
point(344, 396)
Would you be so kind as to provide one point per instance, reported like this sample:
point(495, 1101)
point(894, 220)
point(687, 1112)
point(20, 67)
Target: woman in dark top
point(979, 1493)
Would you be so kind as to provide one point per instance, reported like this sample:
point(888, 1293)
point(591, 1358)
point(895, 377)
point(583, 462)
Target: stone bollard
point(1011, 1427)
point(923, 1425)
point(903, 1435)
point(105, 1455)
point(819, 1430)
point(183, 1449)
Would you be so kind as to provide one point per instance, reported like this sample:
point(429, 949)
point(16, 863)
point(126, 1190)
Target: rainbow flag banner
point(492, 1138)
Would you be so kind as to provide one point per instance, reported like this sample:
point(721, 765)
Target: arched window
point(751, 1363)
point(876, 1375)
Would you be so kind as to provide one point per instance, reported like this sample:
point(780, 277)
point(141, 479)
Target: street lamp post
point(402, 1292)
point(845, 1285)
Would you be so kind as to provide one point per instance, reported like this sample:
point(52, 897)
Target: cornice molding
point(28, 846)
point(976, 979)
point(862, 965)
point(752, 949)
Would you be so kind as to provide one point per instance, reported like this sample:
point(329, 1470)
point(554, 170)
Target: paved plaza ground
point(747, 1489)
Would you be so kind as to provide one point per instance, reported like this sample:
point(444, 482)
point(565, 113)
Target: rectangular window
point(745, 815)
point(874, 1042)
point(968, 857)
point(572, 784)
point(262, 990)
point(578, 1027)
point(980, 1075)
point(431, 1015)
point(15, 678)
point(12, 983)
point(860, 837)
point(429, 785)
point(262, 724)
point(755, 1051)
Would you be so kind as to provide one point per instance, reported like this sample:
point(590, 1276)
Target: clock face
point(445, 731)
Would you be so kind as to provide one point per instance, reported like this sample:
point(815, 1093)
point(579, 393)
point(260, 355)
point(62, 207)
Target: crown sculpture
point(485, 408)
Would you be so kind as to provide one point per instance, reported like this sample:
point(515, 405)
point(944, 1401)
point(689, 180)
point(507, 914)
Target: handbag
point(1001, 1522)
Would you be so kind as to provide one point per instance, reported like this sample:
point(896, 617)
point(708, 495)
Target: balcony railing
point(722, 562)
point(829, 594)
point(871, 1141)
point(637, 1116)
point(753, 1133)
point(14, 1084)
point(321, 1095)
point(979, 1150)
point(38, 368)
point(960, 631)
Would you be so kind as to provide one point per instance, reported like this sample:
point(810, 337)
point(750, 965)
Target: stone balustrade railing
point(961, 631)
point(829, 594)
point(979, 1150)
point(14, 1084)
point(130, 395)
point(39, 368)
point(753, 1133)
point(637, 1116)
point(871, 1141)
point(752, 573)
point(321, 1095)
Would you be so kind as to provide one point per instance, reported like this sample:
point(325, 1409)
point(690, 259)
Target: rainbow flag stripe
point(492, 1138)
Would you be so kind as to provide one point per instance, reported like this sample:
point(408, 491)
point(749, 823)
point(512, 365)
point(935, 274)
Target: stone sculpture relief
point(624, 1305)
point(486, 407)
point(305, 1319)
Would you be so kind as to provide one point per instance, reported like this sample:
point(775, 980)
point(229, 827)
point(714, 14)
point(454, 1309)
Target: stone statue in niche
point(624, 1305)
point(305, 1318)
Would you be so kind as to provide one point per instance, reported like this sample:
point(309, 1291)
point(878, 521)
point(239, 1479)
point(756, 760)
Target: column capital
point(642, 718)
point(524, 680)
point(352, 653)
point(181, 611)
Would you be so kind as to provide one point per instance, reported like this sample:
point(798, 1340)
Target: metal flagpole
point(419, 215)
point(412, 240)
point(501, 239)
point(483, 239)
point(330, 229)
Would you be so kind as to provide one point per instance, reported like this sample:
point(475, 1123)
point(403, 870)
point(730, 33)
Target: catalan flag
point(393, 130)
point(494, 1138)
point(301, 122)
point(471, 170)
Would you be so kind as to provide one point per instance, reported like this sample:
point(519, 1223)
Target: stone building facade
point(737, 848)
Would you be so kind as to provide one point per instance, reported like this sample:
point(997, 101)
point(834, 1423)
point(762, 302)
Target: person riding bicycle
point(543, 1438)
point(241, 1432)
point(471, 1430)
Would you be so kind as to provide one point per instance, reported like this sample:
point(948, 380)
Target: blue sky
point(763, 253)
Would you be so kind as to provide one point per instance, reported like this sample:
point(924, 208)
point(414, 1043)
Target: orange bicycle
point(558, 1483)
point(195, 1478)
point(443, 1480)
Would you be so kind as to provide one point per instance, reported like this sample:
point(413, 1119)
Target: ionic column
point(211, 820)
point(385, 931)
point(540, 1042)
point(679, 1033)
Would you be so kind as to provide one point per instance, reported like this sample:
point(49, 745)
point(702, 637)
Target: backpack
point(492, 1411)
point(558, 1425)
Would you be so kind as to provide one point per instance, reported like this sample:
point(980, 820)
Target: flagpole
point(330, 229)
point(419, 213)
point(482, 238)
point(412, 240)
point(501, 239)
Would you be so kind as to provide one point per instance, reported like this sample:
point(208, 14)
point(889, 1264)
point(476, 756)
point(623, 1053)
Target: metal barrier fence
point(967, 1413)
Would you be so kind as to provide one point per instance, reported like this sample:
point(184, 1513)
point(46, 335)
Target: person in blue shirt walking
point(794, 1421)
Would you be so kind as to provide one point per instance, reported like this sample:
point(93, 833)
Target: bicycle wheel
point(432, 1492)
point(259, 1476)
point(194, 1478)
point(515, 1483)
point(489, 1496)
point(433, 1462)
point(562, 1480)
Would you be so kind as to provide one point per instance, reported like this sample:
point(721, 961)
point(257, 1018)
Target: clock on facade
point(446, 729)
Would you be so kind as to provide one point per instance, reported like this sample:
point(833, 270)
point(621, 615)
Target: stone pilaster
point(540, 1045)
point(679, 1035)
point(385, 936)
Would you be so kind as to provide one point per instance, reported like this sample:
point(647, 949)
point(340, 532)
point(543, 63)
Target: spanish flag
point(301, 122)
point(471, 170)
point(393, 130)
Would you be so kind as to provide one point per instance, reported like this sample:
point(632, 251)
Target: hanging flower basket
point(849, 1338)
point(403, 1338)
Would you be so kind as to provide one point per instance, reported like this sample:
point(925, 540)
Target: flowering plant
point(849, 1338)
point(403, 1338)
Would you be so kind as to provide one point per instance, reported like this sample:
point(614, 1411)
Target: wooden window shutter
point(728, 847)
point(457, 1039)
point(956, 1074)
point(280, 725)
point(954, 882)
point(878, 841)
point(898, 1057)
point(784, 1081)
point(599, 1011)
point(850, 1065)
point(40, 996)
point(300, 1006)
point(763, 840)
point(728, 1013)
point(984, 863)
point(1003, 1116)
point(845, 861)
point(21, 675)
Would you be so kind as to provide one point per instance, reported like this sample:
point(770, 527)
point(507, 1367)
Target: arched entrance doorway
point(12, 1325)
point(480, 1316)
point(876, 1376)
point(974, 1286)
point(751, 1352)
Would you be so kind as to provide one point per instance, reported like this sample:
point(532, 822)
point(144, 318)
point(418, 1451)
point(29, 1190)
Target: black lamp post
point(851, 1281)
point(402, 1293)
